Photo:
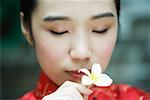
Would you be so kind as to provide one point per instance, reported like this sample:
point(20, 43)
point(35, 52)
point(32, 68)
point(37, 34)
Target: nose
point(80, 54)
point(81, 49)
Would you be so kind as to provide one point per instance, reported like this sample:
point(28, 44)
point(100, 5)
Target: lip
point(76, 75)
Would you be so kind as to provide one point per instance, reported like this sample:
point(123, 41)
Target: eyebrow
point(102, 15)
point(56, 18)
point(64, 18)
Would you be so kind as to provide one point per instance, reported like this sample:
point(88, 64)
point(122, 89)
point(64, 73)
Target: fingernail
point(89, 92)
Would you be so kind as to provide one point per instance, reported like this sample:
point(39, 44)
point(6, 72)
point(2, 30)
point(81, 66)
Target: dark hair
point(27, 7)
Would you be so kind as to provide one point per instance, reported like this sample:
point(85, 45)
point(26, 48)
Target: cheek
point(48, 54)
point(104, 51)
point(105, 55)
point(107, 51)
point(48, 51)
point(49, 58)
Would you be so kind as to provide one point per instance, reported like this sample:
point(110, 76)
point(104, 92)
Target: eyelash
point(58, 33)
point(103, 31)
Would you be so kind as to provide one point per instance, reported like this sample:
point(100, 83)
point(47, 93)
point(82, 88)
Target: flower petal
point(96, 69)
point(85, 71)
point(86, 80)
point(104, 80)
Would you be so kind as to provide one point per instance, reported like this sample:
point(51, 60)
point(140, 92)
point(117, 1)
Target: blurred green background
point(130, 62)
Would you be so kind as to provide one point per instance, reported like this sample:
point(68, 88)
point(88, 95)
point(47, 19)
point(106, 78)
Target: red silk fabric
point(114, 92)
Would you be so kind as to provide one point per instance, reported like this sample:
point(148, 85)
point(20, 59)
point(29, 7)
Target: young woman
point(66, 35)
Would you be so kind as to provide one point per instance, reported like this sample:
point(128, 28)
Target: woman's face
point(72, 34)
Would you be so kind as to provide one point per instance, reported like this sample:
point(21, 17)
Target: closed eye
point(58, 33)
point(101, 31)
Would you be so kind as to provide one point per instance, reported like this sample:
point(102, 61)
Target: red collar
point(44, 86)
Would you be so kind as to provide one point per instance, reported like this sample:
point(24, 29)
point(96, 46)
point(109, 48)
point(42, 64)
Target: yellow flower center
point(93, 77)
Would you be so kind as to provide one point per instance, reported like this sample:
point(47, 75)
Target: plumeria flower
point(95, 77)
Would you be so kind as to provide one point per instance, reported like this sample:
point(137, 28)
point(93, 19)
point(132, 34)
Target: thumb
point(82, 89)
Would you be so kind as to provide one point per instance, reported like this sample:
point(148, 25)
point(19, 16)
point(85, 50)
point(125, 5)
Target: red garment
point(114, 92)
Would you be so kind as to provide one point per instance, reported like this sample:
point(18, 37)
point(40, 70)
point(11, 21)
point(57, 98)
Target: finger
point(85, 97)
point(65, 94)
point(74, 93)
point(82, 89)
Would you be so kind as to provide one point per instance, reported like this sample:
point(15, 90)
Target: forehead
point(74, 8)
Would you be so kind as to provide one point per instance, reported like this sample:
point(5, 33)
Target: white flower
point(95, 77)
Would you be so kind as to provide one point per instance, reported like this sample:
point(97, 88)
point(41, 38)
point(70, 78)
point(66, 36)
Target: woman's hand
point(69, 91)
